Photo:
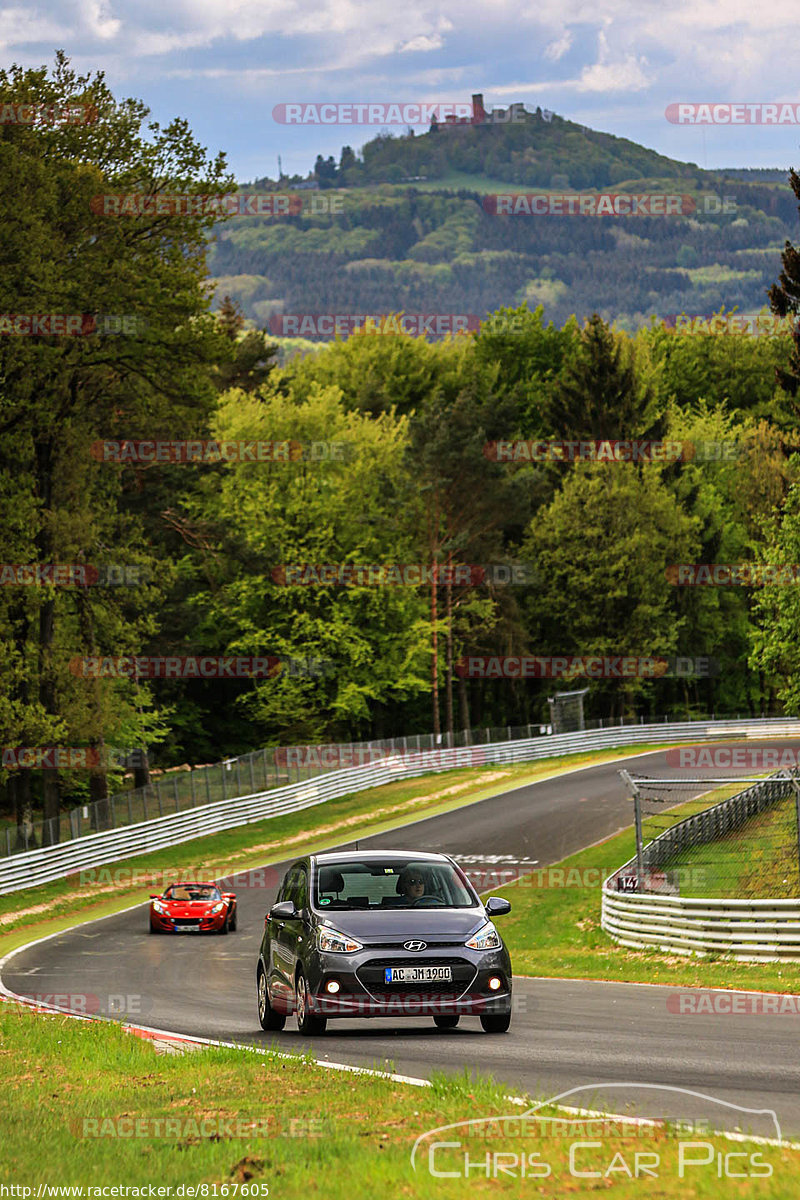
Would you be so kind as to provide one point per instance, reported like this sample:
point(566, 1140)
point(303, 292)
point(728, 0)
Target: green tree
point(601, 548)
point(318, 512)
point(598, 393)
point(60, 395)
point(784, 298)
point(251, 355)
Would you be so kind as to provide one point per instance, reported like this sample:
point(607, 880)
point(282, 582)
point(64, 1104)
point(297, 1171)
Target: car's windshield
point(391, 882)
point(191, 891)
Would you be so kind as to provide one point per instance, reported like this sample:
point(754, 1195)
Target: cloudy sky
point(613, 65)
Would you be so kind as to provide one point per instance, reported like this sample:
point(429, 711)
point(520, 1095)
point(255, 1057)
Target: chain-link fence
point(178, 789)
point(744, 845)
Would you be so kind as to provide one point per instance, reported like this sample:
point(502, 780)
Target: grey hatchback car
point(382, 934)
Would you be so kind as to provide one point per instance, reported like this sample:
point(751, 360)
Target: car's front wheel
point(446, 1021)
point(270, 1020)
point(307, 1023)
point(496, 1022)
point(232, 922)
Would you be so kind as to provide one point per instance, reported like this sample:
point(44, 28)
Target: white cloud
point(628, 76)
point(423, 43)
point(605, 76)
point(584, 57)
point(556, 50)
point(19, 25)
point(99, 20)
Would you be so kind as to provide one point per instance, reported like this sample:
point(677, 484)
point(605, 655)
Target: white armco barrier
point(32, 867)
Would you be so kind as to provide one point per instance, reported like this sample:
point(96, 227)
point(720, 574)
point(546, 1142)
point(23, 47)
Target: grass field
point(85, 1104)
point(757, 861)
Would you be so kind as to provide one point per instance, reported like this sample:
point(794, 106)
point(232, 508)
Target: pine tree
point(598, 394)
point(784, 298)
point(230, 318)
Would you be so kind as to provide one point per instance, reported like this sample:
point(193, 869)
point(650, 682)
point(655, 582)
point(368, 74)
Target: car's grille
point(371, 975)
point(187, 920)
point(401, 991)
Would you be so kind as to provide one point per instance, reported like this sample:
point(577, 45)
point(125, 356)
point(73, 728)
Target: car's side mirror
point(285, 911)
point(229, 895)
point(154, 896)
point(497, 907)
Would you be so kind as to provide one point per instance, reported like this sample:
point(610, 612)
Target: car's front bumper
point(363, 991)
point(165, 924)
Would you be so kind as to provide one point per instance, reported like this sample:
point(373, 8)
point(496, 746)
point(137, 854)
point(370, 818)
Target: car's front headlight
point(158, 906)
point(332, 941)
point(487, 938)
point(218, 907)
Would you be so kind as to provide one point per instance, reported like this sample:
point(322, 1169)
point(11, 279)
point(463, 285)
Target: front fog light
point(332, 986)
point(495, 983)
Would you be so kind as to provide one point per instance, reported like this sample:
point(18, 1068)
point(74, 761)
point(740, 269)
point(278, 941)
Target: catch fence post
point(637, 810)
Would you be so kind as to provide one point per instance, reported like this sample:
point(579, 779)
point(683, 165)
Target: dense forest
point(387, 457)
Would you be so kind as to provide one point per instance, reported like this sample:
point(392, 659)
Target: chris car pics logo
point(602, 1146)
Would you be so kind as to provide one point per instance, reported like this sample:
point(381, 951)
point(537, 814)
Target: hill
point(410, 225)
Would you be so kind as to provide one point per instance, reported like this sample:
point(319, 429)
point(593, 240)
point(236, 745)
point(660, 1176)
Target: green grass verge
point(757, 861)
point(50, 908)
point(86, 1104)
point(554, 927)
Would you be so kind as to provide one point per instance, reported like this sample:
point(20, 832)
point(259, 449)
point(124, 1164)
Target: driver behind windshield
point(411, 884)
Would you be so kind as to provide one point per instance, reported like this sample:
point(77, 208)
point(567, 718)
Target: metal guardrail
point(33, 867)
point(750, 930)
point(181, 788)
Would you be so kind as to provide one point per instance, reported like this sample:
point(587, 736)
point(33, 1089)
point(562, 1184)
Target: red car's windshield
point(192, 891)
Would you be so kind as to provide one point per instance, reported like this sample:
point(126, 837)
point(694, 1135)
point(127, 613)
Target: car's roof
point(373, 855)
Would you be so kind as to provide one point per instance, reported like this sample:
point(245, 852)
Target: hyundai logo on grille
point(415, 945)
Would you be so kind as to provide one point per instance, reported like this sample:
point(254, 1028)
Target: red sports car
point(193, 908)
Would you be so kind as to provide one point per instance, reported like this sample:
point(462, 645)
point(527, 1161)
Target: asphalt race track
point(564, 1034)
